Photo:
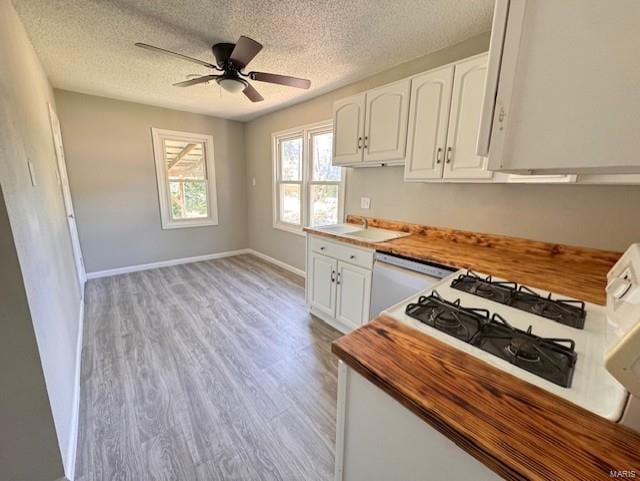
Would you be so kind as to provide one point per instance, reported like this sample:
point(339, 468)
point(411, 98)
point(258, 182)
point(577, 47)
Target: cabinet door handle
point(359, 143)
point(333, 276)
point(439, 155)
point(365, 142)
point(449, 150)
point(338, 279)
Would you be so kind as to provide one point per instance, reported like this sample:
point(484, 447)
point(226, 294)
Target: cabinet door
point(348, 129)
point(567, 99)
point(461, 160)
point(428, 119)
point(387, 112)
point(322, 293)
point(354, 292)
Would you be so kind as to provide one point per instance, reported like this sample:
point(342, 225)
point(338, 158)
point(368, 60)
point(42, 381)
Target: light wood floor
point(205, 371)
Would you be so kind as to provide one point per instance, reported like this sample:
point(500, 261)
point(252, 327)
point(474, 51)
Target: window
point(308, 190)
point(186, 178)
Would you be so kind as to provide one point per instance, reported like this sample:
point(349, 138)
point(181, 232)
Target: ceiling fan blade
point(280, 79)
point(252, 94)
point(194, 81)
point(245, 50)
point(175, 54)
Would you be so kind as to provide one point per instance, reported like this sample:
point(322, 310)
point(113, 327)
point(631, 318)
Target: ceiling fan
point(231, 59)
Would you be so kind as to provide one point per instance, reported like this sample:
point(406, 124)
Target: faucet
point(365, 223)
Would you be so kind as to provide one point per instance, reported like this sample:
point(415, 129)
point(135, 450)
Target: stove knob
point(619, 287)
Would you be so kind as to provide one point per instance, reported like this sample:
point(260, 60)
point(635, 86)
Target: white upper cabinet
point(385, 134)
point(461, 160)
point(444, 120)
point(348, 127)
point(562, 91)
point(371, 127)
point(428, 119)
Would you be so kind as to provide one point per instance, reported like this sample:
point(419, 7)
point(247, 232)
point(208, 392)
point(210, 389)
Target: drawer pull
point(352, 257)
point(322, 248)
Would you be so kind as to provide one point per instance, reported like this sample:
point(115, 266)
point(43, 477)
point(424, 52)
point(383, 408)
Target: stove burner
point(446, 319)
point(551, 359)
point(449, 317)
point(547, 310)
point(485, 291)
point(564, 311)
point(523, 348)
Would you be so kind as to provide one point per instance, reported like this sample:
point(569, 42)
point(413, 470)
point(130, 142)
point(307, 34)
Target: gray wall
point(584, 215)
point(113, 182)
point(593, 216)
point(43, 249)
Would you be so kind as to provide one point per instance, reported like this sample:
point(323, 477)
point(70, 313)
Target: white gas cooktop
point(592, 388)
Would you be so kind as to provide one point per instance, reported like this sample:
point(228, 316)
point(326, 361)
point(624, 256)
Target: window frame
point(306, 132)
point(162, 180)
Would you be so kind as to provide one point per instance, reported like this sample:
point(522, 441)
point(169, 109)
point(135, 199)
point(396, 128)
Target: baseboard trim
point(170, 262)
point(277, 262)
point(70, 464)
point(188, 260)
point(337, 325)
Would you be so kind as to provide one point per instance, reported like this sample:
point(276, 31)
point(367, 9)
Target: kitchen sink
point(372, 234)
point(340, 228)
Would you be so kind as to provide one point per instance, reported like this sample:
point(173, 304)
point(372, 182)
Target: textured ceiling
point(87, 46)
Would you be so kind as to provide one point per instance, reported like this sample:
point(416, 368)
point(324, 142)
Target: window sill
point(289, 229)
point(189, 223)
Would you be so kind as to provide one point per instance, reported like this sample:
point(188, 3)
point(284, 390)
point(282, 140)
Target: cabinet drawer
point(342, 251)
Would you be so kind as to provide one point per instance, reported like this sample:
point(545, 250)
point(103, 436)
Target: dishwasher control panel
point(425, 268)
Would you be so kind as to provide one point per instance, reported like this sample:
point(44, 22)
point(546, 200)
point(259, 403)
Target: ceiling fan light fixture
point(232, 84)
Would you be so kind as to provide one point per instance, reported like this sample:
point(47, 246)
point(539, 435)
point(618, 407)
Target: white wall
point(113, 182)
point(40, 233)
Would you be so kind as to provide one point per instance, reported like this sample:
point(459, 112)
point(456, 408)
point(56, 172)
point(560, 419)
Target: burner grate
point(565, 311)
point(551, 359)
point(450, 317)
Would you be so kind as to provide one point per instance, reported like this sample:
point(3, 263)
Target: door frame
point(67, 200)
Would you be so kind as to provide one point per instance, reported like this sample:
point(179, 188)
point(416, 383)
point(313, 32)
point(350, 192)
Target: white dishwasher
point(395, 278)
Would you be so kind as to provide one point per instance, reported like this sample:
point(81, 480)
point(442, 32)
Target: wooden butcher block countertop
point(576, 272)
point(518, 430)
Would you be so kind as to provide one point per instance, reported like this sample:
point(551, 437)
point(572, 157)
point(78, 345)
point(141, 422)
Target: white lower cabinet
point(338, 282)
point(353, 284)
point(322, 292)
point(379, 439)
